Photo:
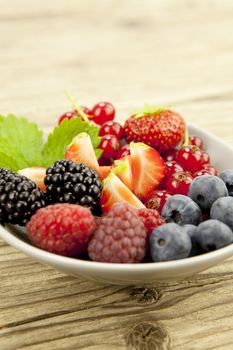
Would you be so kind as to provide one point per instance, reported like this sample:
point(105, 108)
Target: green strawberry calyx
point(148, 109)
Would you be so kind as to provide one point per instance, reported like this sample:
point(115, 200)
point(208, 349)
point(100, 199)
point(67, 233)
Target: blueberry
point(222, 210)
point(206, 189)
point(227, 177)
point(213, 234)
point(191, 231)
point(181, 210)
point(169, 242)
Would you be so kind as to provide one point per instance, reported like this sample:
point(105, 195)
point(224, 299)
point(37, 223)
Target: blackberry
point(69, 182)
point(20, 198)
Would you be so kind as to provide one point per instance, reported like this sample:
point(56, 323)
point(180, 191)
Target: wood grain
point(163, 52)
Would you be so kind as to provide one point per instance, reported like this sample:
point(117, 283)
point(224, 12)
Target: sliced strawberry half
point(104, 171)
point(147, 168)
point(122, 168)
point(114, 190)
point(36, 174)
point(81, 151)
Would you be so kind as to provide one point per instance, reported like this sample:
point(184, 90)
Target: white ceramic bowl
point(129, 274)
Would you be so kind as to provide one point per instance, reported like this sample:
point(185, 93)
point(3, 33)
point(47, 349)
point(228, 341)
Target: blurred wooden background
point(174, 52)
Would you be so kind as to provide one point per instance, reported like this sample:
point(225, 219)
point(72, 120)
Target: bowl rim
point(33, 251)
point(42, 255)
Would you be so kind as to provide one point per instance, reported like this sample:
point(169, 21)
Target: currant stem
point(186, 138)
point(77, 107)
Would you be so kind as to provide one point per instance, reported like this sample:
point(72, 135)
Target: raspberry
point(62, 229)
point(120, 236)
point(151, 219)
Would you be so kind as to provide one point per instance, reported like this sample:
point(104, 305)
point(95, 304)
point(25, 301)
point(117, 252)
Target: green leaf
point(148, 109)
point(8, 162)
point(98, 152)
point(21, 141)
point(24, 137)
point(12, 153)
point(62, 135)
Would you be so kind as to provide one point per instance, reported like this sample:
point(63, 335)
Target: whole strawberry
point(63, 229)
point(160, 128)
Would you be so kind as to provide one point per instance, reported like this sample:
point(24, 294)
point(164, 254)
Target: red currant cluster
point(181, 167)
point(110, 131)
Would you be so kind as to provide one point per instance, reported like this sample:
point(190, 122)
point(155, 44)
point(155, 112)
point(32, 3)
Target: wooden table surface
point(128, 52)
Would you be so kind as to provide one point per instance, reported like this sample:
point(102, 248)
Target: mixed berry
point(133, 193)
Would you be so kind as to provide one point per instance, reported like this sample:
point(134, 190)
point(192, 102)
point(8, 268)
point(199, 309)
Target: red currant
point(201, 172)
point(67, 115)
point(196, 141)
point(74, 113)
point(190, 158)
point(169, 155)
point(104, 161)
point(111, 128)
point(86, 110)
point(123, 151)
point(110, 146)
point(211, 169)
point(171, 167)
point(156, 199)
point(205, 157)
point(179, 183)
point(103, 112)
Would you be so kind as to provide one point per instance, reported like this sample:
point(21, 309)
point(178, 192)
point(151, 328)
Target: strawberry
point(122, 168)
point(104, 171)
point(114, 190)
point(147, 168)
point(81, 151)
point(160, 128)
point(36, 174)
